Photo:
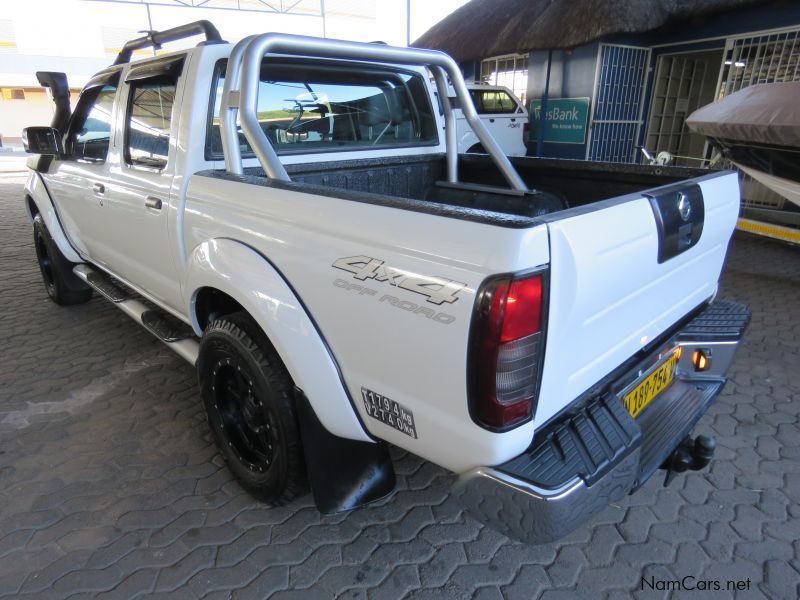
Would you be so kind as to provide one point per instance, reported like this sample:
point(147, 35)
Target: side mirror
point(42, 140)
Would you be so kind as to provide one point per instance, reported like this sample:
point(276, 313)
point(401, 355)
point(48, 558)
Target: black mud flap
point(679, 211)
point(344, 474)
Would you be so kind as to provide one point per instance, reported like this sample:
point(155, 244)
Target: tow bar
point(691, 455)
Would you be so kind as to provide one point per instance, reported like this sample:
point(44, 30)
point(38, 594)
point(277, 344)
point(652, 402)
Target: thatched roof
point(484, 28)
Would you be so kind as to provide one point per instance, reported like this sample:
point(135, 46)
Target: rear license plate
point(651, 386)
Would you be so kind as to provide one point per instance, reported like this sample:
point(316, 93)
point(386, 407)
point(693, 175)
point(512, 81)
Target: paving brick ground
point(110, 485)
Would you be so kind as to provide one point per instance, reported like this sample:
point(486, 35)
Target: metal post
point(543, 107)
point(229, 108)
point(408, 22)
point(449, 124)
point(322, 13)
point(150, 25)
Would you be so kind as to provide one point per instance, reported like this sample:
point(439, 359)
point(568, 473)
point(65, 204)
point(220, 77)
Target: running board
point(177, 335)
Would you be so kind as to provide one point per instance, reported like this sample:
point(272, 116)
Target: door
point(682, 84)
point(617, 103)
point(141, 172)
point(78, 180)
point(503, 117)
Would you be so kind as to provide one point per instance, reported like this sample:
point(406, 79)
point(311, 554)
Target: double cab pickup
point(292, 216)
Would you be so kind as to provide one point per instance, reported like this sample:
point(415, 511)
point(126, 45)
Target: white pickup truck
point(291, 215)
point(503, 115)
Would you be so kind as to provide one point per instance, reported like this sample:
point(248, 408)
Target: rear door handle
point(99, 188)
point(153, 202)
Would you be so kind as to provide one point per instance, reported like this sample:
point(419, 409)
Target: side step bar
point(177, 335)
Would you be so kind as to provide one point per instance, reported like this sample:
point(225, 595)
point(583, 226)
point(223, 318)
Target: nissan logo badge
point(684, 206)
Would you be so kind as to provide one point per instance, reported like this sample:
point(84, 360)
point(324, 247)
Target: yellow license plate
point(651, 386)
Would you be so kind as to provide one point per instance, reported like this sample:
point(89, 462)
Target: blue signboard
point(566, 120)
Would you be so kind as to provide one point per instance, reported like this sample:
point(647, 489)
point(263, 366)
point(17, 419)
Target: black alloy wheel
point(249, 399)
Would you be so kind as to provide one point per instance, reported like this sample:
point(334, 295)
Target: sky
point(82, 36)
point(70, 27)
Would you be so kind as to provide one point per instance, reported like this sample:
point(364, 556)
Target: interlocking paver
point(110, 484)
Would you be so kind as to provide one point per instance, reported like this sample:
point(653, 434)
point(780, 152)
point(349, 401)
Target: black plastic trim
point(344, 474)
point(104, 77)
point(168, 65)
point(166, 327)
point(155, 39)
point(677, 232)
point(622, 199)
point(587, 444)
point(420, 206)
point(103, 284)
point(722, 320)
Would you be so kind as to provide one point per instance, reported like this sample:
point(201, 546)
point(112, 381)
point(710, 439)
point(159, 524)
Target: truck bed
point(419, 183)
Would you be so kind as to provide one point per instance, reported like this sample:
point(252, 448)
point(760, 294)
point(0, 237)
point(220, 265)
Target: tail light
point(506, 351)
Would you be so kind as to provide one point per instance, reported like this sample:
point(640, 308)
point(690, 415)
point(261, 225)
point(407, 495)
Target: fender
point(250, 279)
point(36, 190)
point(467, 140)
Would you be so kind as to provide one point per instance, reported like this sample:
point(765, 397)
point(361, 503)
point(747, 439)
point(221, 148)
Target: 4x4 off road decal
point(435, 289)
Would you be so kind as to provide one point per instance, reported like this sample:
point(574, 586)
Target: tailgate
point(625, 271)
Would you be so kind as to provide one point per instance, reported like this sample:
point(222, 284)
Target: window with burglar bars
point(617, 112)
point(761, 59)
point(510, 71)
point(681, 85)
point(765, 58)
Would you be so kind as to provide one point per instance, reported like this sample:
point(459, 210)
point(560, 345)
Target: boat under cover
point(758, 129)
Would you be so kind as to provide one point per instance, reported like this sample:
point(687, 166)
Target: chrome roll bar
point(229, 106)
point(242, 77)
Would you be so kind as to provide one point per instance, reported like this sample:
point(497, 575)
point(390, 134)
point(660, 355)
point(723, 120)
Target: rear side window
point(334, 108)
point(149, 121)
point(493, 102)
point(90, 132)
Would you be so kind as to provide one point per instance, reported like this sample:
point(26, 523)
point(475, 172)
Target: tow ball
point(691, 454)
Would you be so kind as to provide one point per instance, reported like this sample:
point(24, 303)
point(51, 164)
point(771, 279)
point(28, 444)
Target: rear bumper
point(596, 453)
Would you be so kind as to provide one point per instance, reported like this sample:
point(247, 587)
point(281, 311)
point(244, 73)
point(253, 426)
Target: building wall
point(571, 76)
point(573, 71)
point(36, 109)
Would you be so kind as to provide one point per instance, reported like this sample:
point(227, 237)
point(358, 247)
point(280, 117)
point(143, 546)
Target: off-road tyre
point(249, 400)
point(62, 285)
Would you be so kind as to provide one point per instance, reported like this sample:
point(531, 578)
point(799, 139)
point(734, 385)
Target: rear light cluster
point(506, 351)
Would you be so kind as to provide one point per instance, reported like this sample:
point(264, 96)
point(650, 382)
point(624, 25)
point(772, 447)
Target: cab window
point(90, 131)
point(493, 102)
point(149, 121)
point(313, 108)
